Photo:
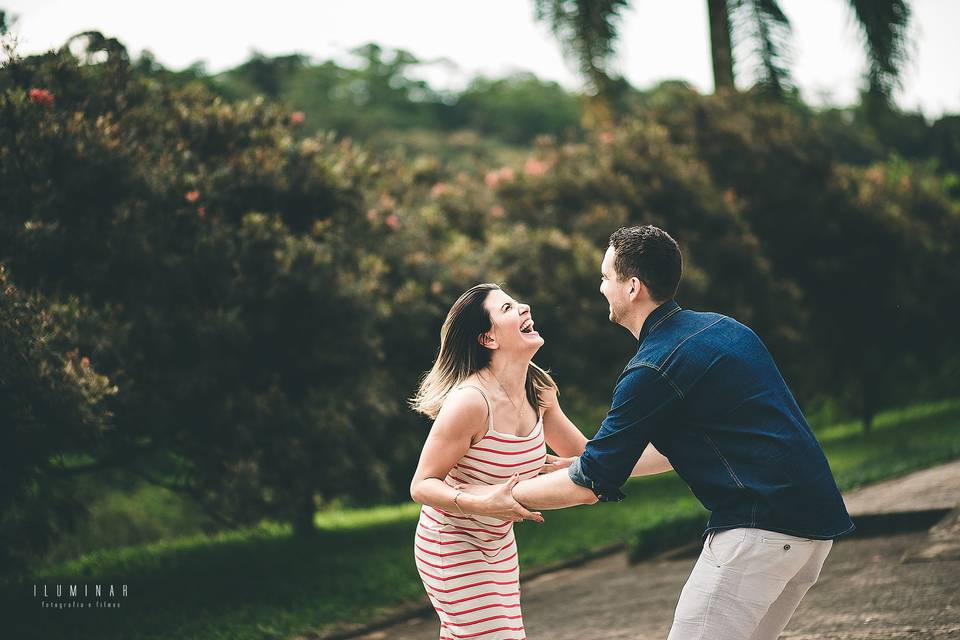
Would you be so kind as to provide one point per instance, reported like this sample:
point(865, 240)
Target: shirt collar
point(657, 316)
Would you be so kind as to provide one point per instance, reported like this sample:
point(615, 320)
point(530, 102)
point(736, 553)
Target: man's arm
point(552, 491)
point(557, 490)
point(643, 401)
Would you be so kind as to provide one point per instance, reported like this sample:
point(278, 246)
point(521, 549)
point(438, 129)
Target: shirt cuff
point(603, 493)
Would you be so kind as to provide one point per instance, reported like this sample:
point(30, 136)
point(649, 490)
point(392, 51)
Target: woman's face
point(512, 325)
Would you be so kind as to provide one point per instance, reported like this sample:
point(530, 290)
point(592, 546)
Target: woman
point(494, 412)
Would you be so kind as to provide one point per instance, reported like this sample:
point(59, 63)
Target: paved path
point(892, 587)
point(934, 488)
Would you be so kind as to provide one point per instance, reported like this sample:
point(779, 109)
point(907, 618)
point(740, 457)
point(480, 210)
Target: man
point(704, 390)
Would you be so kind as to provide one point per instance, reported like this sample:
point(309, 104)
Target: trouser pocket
point(772, 561)
point(722, 547)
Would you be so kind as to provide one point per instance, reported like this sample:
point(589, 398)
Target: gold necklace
point(521, 408)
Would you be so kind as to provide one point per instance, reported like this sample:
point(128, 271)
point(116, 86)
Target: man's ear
point(637, 288)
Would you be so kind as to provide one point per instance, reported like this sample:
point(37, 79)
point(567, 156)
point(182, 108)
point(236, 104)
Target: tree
point(268, 75)
point(867, 246)
point(517, 108)
point(588, 30)
point(217, 262)
point(51, 408)
point(721, 45)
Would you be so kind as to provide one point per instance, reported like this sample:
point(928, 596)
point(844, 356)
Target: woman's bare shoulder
point(463, 410)
point(548, 398)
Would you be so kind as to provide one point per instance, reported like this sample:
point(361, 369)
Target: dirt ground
point(904, 585)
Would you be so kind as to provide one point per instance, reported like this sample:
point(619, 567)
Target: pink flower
point(192, 196)
point(297, 117)
point(534, 167)
point(85, 362)
point(506, 174)
point(497, 211)
point(438, 190)
point(202, 212)
point(392, 221)
point(41, 97)
point(876, 176)
point(436, 288)
point(372, 215)
point(606, 137)
point(386, 201)
point(491, 179)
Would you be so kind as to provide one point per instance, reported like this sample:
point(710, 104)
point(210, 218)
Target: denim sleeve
point(643, 401)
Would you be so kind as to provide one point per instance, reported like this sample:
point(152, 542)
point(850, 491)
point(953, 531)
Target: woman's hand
point(496, 501)
point(554, 463)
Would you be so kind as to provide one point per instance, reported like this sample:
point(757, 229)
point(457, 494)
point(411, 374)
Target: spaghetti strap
point(485, 399)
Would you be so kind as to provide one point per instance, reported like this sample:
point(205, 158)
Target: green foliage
point(265, 299)
point(870, 248)
point(51, 403)
point(381, 97)
point(219, 262)
point(587, 31)
point(124, 510)
point(550, 224)
point(517, 108)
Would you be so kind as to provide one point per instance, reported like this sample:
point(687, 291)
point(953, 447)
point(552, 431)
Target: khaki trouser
point(746, 585)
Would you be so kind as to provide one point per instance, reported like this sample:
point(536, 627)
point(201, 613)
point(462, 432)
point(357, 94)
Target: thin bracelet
point(459, 508)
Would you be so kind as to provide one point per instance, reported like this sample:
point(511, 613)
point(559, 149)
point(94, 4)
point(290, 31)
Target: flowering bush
point(222, 261)
point(51, 405)
point(266, 301)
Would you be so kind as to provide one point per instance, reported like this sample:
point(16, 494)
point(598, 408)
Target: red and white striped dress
point(469, 565)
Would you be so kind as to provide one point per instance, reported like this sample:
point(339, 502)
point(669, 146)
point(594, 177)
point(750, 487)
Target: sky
point(659, 40)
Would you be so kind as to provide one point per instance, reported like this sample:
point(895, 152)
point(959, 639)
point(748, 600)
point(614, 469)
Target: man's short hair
point(651, 255)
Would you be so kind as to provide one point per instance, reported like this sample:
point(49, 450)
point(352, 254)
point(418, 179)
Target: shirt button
point(786, 547)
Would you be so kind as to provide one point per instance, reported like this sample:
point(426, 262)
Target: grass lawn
point(263, 583)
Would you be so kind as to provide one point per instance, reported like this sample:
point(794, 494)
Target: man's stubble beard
point(615, 314)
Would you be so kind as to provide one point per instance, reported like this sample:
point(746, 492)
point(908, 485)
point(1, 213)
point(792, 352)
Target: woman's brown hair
point(461, 355)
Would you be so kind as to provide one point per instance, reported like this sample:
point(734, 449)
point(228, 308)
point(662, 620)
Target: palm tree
point(588, 29)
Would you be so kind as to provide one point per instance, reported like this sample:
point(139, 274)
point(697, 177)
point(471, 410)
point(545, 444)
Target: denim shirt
point(705, 391)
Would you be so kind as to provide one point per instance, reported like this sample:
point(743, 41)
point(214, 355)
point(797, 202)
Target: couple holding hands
point(701, 396)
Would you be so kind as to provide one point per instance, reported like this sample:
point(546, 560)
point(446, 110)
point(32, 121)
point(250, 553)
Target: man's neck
point(634, 322)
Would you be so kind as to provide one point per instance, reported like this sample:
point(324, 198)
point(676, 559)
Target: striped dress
point(469, 565)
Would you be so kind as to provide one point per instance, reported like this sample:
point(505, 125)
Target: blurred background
point(229, 235)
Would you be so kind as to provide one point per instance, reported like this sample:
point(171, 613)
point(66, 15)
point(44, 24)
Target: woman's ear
point(486, 340)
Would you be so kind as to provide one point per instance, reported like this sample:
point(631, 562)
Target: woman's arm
point(650, 463)
point(560, 433)
point(567, 441)
point(458, 423)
